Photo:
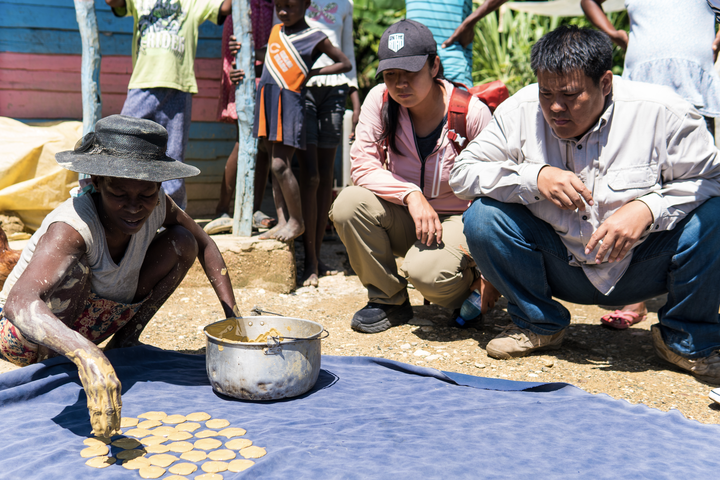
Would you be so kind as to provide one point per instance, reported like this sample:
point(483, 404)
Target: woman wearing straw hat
point(97, 265)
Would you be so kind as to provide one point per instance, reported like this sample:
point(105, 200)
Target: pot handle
point(259, 311)
point(274, 347)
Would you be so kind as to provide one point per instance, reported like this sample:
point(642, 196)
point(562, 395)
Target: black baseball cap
point(405, 46)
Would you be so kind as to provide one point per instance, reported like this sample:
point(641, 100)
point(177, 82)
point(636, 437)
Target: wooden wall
point(40, 58)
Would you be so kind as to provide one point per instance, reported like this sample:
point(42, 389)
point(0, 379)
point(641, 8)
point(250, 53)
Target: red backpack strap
point(457, 118)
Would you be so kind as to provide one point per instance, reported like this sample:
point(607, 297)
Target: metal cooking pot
point(269, 370)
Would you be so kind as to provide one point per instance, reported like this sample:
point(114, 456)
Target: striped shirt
point(442, 17)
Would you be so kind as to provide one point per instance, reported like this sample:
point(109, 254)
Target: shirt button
point(579, 147)
point(584, 217)
point(537, 198)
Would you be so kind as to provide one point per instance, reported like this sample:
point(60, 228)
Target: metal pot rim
point(286, 340)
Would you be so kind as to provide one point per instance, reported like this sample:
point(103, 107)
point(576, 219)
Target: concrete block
point(252, 262)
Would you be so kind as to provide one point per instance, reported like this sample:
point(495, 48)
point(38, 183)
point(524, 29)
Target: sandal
point(222, 224)
point(622, 319)
point(260, 220)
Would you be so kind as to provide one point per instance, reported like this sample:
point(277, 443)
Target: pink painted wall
point(48, 86)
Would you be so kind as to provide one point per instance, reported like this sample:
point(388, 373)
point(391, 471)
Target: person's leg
point(326, 166)
point(282, 171)
point(280, 210)
point(442, 274)
point(309, 179)
point(373, 231)
point(689, 320)
point(262, 170)
point(526, 261)
point(166, 263)
point(223, 222)
point(330, 120)
point(512, 248)
point(229, 179)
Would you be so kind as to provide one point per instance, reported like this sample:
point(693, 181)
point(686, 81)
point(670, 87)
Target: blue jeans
point(527, 262)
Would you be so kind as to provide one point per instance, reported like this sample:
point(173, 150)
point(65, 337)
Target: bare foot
point(638, 308)
point(310, 280)
point(324, 270)
point(290, 231)
point(270, 234)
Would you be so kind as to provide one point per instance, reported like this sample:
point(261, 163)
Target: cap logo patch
point(396, 41)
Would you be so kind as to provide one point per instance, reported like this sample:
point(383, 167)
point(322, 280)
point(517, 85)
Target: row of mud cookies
point(152, 442)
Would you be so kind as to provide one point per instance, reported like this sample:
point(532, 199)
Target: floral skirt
point(100, 319)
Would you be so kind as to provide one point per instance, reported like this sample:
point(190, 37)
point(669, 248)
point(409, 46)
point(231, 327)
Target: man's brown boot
point(518, 342)
point(706, 369)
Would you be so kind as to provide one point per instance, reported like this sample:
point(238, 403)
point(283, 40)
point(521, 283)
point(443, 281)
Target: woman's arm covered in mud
point(210, 258)
point(57, 252)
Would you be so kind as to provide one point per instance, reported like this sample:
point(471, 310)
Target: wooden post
point(92, 103)
point(245, 105)
point(90, 72)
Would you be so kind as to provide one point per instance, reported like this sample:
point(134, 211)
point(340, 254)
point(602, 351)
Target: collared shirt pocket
point(635, 177)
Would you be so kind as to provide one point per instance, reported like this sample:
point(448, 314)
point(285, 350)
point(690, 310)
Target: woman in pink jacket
point(401, 203)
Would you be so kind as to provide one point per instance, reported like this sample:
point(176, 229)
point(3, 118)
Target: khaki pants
point(374, 230)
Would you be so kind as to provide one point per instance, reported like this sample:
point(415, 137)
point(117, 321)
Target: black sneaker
point(378, 317)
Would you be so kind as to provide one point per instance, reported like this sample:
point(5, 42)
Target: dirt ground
point(599, 360)
point(621, 364)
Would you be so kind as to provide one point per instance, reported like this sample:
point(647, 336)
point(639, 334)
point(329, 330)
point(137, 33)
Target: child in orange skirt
point(280, 104)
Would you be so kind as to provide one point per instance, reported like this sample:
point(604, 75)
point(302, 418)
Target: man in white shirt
point(596, 190)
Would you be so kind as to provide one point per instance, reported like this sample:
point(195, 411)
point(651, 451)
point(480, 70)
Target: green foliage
point(370, 19)
point(505, 55)
point(497, 55)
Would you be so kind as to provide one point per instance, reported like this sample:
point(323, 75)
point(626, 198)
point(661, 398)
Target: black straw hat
point(125, 147)
point(405, 45)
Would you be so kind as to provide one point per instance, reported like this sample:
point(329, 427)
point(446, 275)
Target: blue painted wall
point(49, 26)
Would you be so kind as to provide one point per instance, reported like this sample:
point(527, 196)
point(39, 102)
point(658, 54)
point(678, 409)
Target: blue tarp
point(365, 418)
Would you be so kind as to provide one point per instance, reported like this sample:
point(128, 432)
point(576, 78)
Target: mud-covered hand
point(620, 232)
point(428, 228)
point(103, 389)
point(563, 188)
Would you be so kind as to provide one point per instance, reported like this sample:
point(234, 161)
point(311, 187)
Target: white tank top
point(109, 280)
